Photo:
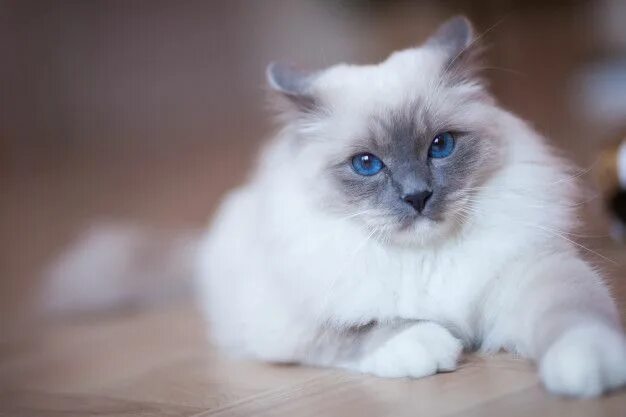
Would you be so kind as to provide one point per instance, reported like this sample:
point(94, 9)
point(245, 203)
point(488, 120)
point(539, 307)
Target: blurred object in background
point(600, 98)
point(600, 86)
point(115, 268)
point(611, 179)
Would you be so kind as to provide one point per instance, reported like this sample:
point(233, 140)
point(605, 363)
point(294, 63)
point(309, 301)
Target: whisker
point(548, 204)
point(577, 244)
point(360, 213)
point(577, 175)
point(508, 70)
point(554, 232)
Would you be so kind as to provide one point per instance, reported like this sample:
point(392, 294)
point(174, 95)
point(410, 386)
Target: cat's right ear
point(293, 84)
point(458, 41)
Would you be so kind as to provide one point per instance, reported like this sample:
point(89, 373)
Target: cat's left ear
point(457, 39)
point(293, 84)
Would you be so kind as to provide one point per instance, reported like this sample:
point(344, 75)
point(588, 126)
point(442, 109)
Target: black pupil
point(367, 161)
point(438, 142)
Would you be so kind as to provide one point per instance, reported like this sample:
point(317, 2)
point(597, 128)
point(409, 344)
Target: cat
point(400, 217)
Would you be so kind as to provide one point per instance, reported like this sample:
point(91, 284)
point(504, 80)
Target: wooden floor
point(158, 363)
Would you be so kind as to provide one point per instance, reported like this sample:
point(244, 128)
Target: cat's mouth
point(416, 231)
point(419, 228)
point(415, 220)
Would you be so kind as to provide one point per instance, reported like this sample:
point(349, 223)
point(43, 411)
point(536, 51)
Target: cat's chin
point(422, 231)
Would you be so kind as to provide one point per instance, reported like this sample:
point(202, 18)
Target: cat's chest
point(404, 284)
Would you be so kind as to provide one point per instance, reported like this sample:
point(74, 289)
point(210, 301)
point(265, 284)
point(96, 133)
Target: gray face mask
point(411, 161)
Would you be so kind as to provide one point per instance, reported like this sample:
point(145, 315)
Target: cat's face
point(398, 147)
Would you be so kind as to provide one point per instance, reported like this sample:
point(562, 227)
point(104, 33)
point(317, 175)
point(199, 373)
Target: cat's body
point(311, 263)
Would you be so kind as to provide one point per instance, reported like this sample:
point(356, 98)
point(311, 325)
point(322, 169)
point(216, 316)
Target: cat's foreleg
point(558, 311)
point(401, 349)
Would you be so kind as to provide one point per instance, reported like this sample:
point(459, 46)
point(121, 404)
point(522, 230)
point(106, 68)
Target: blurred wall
point(147, 111)
point(109, 74)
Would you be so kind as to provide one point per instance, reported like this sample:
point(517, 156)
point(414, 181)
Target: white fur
point(283, 280)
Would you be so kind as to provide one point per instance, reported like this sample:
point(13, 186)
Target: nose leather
point(418, 200)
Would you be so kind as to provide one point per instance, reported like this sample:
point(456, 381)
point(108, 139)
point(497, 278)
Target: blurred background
point(147, 111)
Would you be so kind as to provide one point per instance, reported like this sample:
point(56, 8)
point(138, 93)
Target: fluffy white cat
point(399, 217)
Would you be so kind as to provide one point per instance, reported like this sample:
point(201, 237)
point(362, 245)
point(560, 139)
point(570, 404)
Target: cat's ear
point(457, 39)
point(293, 84)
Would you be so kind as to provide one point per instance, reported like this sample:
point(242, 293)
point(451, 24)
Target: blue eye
point(442, 145)
point(367, 164)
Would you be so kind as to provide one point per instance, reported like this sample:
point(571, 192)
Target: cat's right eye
point(367, 164)
point(441, 146)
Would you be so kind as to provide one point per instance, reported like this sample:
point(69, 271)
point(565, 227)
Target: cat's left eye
point(367, 164)
point(441, 146)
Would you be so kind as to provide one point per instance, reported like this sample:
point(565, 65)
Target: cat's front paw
point(585, 362)
point(418, 351)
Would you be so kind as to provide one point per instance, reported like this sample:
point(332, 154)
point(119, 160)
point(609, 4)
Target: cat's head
point(398, 147)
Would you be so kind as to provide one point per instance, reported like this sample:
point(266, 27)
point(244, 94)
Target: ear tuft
point(292, 83)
